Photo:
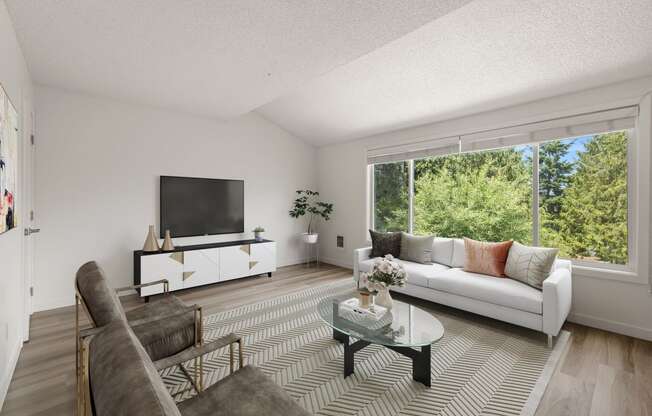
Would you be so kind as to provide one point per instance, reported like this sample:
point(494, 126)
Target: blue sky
point(576, 147)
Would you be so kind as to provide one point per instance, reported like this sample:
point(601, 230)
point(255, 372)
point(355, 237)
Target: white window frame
point(635, 268)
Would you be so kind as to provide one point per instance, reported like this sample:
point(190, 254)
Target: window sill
point(625, 276)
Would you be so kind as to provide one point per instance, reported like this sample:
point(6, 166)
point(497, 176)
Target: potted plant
point(308, 202)
point(258, 233)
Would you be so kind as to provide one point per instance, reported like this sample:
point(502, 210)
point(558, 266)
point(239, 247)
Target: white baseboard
point(14, 353)
point(55, 303)
point(335, 262)
point(611, 326)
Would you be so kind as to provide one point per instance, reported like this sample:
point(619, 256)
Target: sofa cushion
point(503, 292)
point(486, 258)
point(385, 243)
point(418, 274)
point(442, 250)
point(530, 265)
point(122, 377)
point(102, 302)
point(459, 253)
point(247, 392)
point(416, 248)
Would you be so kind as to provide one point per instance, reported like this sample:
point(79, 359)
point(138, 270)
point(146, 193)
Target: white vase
point(310, 238)
point(384, 299)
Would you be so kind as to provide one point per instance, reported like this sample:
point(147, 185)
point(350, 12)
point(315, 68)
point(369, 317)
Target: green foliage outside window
point(391, 196)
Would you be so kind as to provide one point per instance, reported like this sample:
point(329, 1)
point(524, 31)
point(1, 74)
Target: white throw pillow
point(459, 253)
point(530, 265)
point(442, 250)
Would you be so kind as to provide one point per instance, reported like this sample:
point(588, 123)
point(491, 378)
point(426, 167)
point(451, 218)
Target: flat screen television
point(201, 206)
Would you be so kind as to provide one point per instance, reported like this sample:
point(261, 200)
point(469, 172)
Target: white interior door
point(27, 215)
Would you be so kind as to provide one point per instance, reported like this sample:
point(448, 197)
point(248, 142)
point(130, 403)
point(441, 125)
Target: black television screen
point(198, 206)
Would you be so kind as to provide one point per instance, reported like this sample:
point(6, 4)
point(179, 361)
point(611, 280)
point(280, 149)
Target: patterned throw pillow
point(530, 265)
point(416, 248)
point(486, 258)
point(385, 243)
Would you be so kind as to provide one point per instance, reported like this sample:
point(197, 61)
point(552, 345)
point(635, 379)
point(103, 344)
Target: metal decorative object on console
point(151, 243)
point(167, 243)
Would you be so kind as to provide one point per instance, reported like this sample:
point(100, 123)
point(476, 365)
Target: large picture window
point(578, 184)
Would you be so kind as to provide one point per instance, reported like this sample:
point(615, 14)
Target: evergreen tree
point(554, 173)
point(593, 218)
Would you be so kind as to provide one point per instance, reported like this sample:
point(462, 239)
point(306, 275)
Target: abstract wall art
point(8, 163)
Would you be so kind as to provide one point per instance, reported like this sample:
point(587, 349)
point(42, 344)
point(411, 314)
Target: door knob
point(29, 231)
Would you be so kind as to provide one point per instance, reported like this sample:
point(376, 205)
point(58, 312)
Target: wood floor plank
point(618, 392)
point(599, 373)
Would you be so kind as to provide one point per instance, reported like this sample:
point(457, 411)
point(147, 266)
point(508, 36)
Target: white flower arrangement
point(384, 273)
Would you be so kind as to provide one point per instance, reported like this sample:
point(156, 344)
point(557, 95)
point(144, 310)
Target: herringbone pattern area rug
point(479, 367)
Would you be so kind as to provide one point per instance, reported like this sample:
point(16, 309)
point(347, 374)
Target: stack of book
point(353, 305)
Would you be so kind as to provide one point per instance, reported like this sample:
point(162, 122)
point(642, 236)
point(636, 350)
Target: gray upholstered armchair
point(165, 327)
point(119, 378)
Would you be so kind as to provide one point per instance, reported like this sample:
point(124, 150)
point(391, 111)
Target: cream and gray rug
point(479, 367)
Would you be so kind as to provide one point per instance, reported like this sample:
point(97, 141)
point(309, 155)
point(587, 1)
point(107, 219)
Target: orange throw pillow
point(486, 258)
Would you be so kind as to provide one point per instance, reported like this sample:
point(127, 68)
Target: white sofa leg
point(549, 341)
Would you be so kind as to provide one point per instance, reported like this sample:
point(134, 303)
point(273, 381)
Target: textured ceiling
point(485, 55)
point(215, 58)
point(338, 69)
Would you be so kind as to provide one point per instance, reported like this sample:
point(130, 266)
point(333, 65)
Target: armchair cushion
point(167, 335)
point(247, 392)
point(156, 309)
point(122, 377)
point(102, 302)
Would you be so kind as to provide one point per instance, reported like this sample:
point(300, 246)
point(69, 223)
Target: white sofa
point(446, 282)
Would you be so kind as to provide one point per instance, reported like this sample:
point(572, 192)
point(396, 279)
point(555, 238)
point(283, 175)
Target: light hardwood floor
point(600, 374)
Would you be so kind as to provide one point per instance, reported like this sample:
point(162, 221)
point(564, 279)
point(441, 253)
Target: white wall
point(618, 305)
point(15, 79)
point(97, 169)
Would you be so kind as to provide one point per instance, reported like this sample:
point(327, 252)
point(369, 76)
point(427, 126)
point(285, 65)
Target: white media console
point(203, 264)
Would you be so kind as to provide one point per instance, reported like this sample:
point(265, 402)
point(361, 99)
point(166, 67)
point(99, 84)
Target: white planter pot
point(309, 238)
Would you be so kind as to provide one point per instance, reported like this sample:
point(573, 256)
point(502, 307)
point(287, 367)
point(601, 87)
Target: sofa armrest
point(557, 298)
point(359, 255)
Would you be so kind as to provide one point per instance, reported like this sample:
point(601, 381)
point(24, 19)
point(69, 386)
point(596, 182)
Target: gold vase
point(167, 243)
point(151, 243)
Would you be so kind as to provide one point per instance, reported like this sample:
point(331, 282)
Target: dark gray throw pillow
point(385, 243)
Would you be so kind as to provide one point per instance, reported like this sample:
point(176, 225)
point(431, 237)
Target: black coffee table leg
point(349, 354)
point(341, 337)
point(421, 366)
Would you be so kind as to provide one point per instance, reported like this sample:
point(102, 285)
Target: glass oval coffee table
point(401, 329)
